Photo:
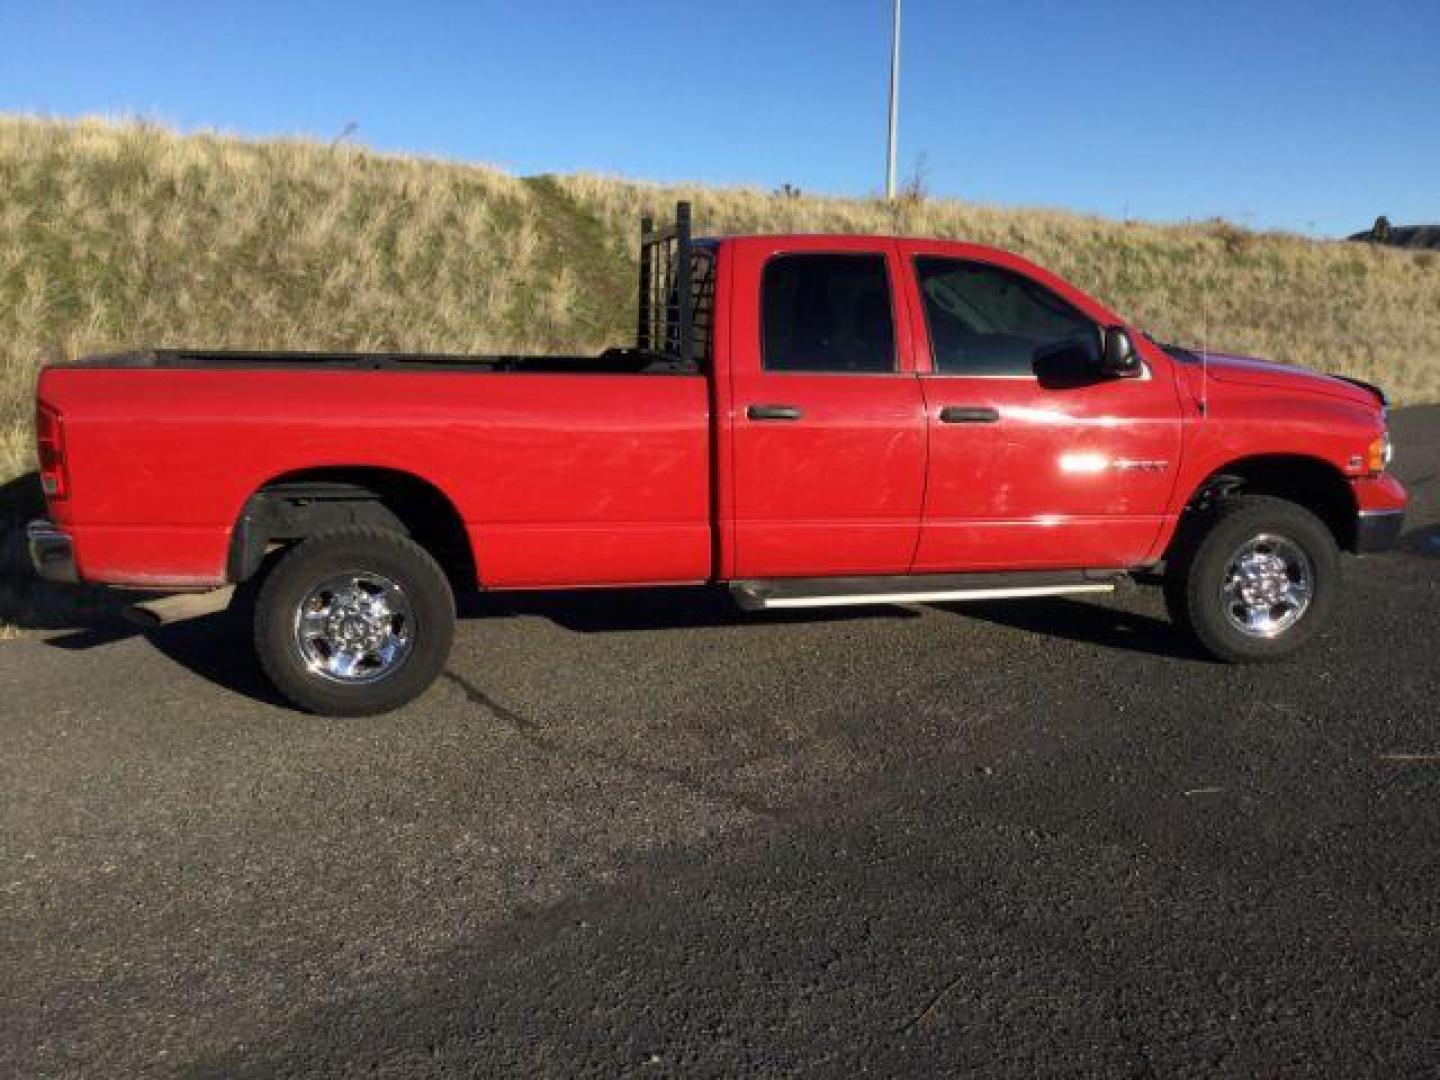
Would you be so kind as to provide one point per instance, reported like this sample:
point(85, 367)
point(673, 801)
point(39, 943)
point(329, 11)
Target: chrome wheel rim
point(1267, 586)
point(354, 628)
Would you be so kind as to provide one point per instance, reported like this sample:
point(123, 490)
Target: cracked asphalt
point(650, 835)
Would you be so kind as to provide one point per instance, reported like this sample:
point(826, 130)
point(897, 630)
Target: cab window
point(827, 313)
point(989, 320)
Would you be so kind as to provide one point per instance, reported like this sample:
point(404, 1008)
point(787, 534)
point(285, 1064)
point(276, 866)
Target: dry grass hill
point(116, 235)
point(122, 235)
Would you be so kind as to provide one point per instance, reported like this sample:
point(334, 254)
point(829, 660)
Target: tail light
point(50, 437)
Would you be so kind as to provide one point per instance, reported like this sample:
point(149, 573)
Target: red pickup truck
point(813, 420)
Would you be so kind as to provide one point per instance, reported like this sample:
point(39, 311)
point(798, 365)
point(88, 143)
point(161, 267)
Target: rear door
point(1036, 461)
point(828, 434)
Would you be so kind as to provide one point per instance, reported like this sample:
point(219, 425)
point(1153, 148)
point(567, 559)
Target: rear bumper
point(51, 552)
point(1378, 530)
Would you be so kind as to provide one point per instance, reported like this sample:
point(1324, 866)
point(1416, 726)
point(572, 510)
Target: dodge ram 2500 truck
point(811, 420)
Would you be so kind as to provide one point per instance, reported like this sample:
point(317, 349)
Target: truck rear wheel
point(354, 622)
point(1253, 578)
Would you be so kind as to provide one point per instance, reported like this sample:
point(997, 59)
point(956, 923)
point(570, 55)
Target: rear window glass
point(827, 313)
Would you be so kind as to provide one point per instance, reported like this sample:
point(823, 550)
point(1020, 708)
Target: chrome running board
point(780, 593)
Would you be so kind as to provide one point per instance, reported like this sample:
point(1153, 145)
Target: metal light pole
point(894, 102)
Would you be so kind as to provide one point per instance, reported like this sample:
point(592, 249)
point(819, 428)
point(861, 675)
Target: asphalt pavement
point(651, 835)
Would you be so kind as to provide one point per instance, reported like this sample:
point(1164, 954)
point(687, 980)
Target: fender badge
point(1140, 466)
point(1096, 463)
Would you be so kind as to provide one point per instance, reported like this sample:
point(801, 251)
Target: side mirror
point(1118, 357)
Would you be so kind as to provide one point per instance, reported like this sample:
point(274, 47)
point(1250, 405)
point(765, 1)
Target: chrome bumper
point(51, 552)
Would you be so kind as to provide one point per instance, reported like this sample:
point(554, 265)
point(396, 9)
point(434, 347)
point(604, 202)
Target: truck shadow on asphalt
point(215, 647)
point(1086, 624)
point(218, 647)
point(705, 608)
point(702, 608)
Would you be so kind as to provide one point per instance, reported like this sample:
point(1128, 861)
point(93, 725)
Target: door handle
point(773, 412)
point(969, 414)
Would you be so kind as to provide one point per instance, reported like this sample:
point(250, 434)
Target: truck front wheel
point(354, 622)
point(1252, 578)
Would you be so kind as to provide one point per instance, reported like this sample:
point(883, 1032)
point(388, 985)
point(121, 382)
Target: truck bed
point(586, 472)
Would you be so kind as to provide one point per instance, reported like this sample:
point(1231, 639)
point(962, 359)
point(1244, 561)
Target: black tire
point(1199, 566)
point(427, 630)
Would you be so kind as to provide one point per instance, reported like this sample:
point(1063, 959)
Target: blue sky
point(1313, 116)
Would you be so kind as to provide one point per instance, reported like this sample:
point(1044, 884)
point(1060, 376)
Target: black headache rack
point(677, 290)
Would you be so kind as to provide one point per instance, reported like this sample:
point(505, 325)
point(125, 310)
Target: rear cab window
point(827, 313)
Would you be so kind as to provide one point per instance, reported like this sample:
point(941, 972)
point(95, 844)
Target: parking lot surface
point(649, 834)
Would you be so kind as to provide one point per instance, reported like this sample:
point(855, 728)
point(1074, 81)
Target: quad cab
point(809, 420)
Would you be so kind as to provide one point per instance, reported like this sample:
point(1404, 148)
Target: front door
point(1036, 460)
point(827, 418)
